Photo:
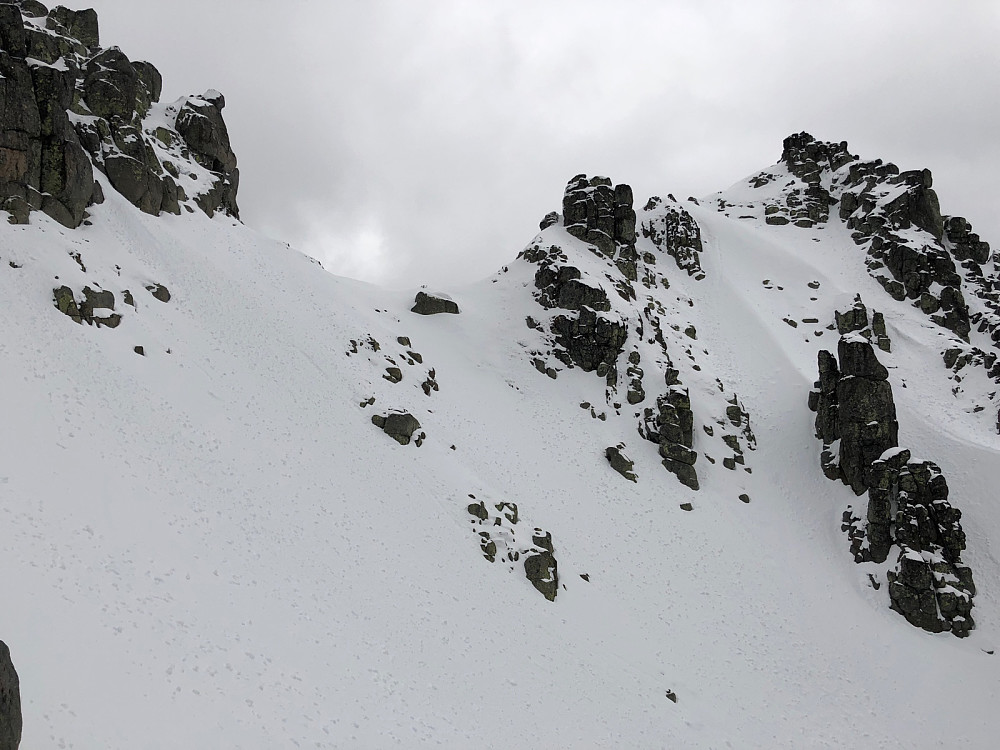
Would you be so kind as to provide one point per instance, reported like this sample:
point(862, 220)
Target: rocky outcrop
point(496, 526)
point(594, 336)
point(807, 203)
point(69, 107)
point(672, 229)
point(855, 412)
point(929, 584)
point(10, 702)
point(96, 308)
point(599, 212)
point(432, 304)
point(908, 502)
point(597, 322)
point(671, 426)
point(855, 319)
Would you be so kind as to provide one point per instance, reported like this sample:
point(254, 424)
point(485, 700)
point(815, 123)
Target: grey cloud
point(407, 142)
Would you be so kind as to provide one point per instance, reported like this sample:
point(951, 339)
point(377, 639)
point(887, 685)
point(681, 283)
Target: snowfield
point(211, 545)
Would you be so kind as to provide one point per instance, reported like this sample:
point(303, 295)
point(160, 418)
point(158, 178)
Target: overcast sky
point(406, 142)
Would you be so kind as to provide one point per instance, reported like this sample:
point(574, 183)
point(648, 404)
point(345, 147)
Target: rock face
point(856, 319)
point(672, 229)
point(69, 107)
point(430, 304)
point(599, 213)
point(908, 502)
point(600, 320)
point(10, 702)
point(671, 426)
point(855, 412)
point(498, 534)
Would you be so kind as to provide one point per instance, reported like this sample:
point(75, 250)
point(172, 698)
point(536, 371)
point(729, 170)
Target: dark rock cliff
point(69, 107)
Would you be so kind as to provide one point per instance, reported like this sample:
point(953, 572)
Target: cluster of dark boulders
point(855, 319)
point(498, 541)
point(10, 702)
point(590, 341)
point(590, 338)
point(930, 585)
point(671, 426)
point(907, 500)
point(96, 307)
point(67, 107)
point(878, 203)
point(808, 204)
point(592, 335)
point(599, 212)
point(673, 230)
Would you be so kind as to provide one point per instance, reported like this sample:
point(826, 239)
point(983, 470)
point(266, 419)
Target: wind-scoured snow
point(211, 545)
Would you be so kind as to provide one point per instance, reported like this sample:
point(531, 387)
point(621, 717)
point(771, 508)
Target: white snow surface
point(212, 546)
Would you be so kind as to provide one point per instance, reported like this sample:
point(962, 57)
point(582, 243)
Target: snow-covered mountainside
point(704, 474)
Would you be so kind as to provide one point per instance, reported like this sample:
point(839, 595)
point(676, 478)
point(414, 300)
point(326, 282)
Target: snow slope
point(211, 545)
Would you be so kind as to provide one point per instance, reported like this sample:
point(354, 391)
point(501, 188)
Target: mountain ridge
point(211, 542)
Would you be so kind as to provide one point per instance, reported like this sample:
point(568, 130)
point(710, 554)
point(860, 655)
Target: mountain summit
point(685, 473)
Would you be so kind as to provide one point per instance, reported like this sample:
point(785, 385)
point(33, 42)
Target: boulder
point(550, 219)
point(150, 78)
point(80, 24)
point(134, 180)
point(200, 124)
point(112, 86)
point(400, 426)
point(620, 462)
point(431, 304)
point(540, 565)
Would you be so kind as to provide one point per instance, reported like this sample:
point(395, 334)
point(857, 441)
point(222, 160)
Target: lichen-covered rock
point(199, 122)
point(433, 304)
point(80, 24)
point(10, 702)
point(50, 70)
point(112, 87)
